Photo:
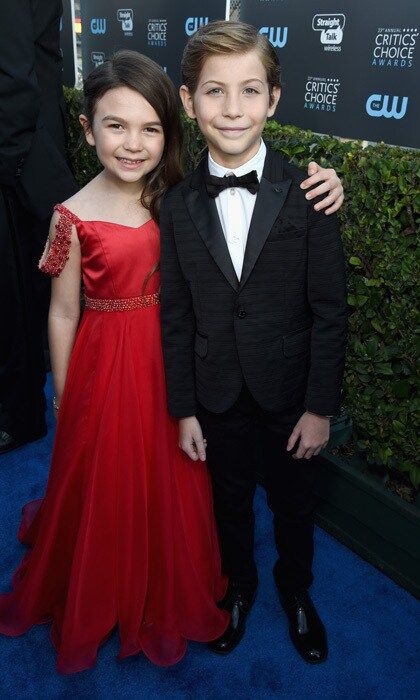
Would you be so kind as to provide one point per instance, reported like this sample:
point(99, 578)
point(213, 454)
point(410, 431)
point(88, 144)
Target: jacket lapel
point(270, 199)
point(204, 214)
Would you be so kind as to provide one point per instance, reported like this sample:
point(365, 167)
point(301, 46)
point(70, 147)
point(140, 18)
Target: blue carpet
point(372, 623)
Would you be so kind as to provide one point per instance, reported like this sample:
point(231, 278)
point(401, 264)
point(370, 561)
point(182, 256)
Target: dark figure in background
point(34, 175)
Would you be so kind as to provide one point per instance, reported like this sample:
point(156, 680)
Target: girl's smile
point(130, 163)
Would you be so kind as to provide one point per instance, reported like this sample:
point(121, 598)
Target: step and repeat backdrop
point(157, 28)
point(350, 69)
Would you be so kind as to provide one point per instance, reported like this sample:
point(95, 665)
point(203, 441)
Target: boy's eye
point(214, 91)
point(117, 127)
point(251, 91)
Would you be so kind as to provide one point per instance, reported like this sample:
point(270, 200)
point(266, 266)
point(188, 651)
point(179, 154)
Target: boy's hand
point(191, 438)
point(314, 433)
point(330, 182)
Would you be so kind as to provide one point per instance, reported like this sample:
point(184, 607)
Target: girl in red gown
point(125, 535)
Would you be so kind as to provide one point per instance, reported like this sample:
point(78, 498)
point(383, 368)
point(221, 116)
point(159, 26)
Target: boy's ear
point(84, 121)
point(187, 101)
point(275, 96)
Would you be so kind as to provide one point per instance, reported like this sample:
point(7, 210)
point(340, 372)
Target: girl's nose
point(133, 142)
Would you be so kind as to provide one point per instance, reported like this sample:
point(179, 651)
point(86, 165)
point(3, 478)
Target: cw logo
point(193, 23)
point(98, 25)
point(280, 38)
point(378, 106)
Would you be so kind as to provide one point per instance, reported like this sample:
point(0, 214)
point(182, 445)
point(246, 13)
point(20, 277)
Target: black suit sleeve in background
point(178, 324)
point(328, 300)
point(19, 94)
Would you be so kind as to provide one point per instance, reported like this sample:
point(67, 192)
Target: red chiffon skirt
point(125, 535)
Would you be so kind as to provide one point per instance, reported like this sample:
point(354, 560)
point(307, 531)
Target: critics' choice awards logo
point(126, 17)
point(156, 32)
point(321, 94)
point(277, 36)
point(331, 30)
point(98, 25)
point(394, 48)
point(97, 58)
point(194, 23)
point(394, 107)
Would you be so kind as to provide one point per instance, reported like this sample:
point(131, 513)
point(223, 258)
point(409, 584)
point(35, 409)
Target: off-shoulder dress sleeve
point(56, 252)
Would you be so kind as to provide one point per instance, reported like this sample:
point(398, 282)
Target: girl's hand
point(191, 438)
point(330, 183)
point(314, 433)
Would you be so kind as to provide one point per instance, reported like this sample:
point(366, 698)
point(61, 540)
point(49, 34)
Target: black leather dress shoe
point(239, 606)
point(306, 629)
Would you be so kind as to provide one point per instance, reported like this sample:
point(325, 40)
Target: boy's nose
point(232, 107)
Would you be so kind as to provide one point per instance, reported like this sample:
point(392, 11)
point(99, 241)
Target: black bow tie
point(215, 185)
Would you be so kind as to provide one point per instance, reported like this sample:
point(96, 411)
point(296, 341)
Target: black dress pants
point(24, 298)
point(233, 439)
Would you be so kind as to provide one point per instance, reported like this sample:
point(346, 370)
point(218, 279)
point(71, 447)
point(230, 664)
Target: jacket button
point(241, 313)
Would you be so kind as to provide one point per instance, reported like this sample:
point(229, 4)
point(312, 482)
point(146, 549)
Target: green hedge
point(380, 217)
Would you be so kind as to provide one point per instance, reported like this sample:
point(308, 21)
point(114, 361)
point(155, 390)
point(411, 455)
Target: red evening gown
point(125, 535)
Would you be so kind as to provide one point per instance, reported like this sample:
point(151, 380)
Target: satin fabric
point(125, 535)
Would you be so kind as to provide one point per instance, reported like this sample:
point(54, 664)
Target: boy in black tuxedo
point(253, 320)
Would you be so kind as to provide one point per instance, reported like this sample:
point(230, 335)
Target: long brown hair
point(132, 69)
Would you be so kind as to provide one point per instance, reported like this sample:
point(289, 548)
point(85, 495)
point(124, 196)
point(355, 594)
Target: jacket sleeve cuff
point(323, 406)
point(179, 411)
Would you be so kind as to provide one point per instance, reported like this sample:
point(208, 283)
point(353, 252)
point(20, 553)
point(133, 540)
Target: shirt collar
point(256, 163)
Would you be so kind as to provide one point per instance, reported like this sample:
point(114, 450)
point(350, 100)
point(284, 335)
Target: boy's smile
point(231, 105)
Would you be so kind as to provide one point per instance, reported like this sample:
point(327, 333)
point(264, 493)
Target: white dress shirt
point(235, 206)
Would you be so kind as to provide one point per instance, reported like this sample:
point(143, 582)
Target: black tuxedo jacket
point(32, 134)
point(281, 329)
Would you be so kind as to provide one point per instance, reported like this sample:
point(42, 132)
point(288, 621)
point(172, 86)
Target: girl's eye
point(214, 91)
point(152, 129)
point(251, 91)
point(117, 127)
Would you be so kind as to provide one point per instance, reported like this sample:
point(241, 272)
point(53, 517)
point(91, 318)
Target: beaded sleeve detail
point(56, 252)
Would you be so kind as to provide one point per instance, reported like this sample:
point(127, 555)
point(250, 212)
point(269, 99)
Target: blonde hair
point(227, 37)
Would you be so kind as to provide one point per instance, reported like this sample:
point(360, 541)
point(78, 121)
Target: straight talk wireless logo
point(126, 18)
point(321, 94)
point(330, 28)
point(97, 58)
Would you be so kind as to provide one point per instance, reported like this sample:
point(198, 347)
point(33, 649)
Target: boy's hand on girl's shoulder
point(313, 433)
point(191, 438)
point(330, 183)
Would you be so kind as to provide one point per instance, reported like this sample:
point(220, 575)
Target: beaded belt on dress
point(122, 304)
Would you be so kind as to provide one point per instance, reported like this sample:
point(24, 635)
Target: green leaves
point(83, 157)
point(380, 219)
